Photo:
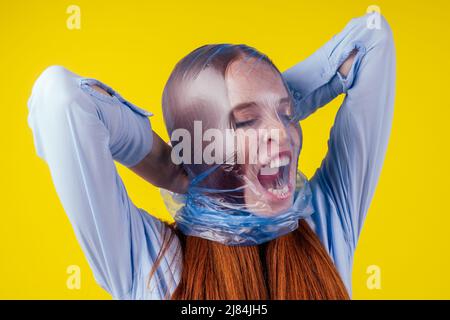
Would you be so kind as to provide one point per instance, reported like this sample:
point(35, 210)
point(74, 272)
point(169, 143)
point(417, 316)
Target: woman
point(81, 125)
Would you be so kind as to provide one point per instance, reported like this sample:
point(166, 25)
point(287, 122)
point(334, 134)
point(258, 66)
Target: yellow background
point(133, 45)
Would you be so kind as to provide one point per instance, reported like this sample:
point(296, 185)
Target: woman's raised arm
point(346, 180)
point(79, 131)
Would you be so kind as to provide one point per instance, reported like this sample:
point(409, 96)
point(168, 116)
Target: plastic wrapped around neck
point(198, 213)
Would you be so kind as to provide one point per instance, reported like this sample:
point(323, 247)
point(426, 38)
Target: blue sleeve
point(345, 182)
point(79, 132)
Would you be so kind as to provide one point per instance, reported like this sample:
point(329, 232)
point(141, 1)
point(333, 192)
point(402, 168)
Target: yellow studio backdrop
point(133, 46)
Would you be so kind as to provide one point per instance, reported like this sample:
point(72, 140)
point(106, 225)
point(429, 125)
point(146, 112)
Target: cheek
point(246, 147)
point(295, 133)
point(296, 137)
point(241, 147)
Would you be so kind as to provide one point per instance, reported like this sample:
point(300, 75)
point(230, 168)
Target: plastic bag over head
point(233, 127)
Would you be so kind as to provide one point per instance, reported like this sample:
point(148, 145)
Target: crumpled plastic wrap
point(198, 213)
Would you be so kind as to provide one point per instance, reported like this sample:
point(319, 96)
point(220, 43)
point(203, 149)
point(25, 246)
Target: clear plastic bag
point(234, 128)
point(215, 218)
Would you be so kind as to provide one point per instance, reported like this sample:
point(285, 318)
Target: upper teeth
point(279, 162)
point(274, 165)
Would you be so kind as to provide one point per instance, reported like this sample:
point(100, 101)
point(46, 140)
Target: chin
point(274, 209)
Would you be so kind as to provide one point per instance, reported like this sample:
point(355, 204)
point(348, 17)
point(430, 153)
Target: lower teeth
point(279, 192)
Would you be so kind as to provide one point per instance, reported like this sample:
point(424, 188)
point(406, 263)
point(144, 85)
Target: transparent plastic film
point(232, 125)
point(214, 218)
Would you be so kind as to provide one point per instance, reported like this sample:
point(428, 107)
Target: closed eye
point(246, 114)
point(246, 123)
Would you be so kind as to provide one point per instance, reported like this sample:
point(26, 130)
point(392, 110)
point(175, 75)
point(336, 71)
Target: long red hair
point(294, 267)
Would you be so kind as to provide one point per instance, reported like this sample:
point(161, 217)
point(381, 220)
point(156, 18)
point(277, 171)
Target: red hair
point(295, 266)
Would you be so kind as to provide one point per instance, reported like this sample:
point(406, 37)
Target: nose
point(275, 132)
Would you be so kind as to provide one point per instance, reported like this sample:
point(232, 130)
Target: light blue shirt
point(80, 132)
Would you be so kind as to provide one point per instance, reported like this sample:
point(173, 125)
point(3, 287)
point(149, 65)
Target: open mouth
point(274, 177)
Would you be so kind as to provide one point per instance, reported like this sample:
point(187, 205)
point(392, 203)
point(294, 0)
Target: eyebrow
point(244, 105)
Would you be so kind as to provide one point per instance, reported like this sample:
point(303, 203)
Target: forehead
point(250, 79)
point(246, 80)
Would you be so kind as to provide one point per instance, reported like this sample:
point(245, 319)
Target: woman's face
point(261, 110)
